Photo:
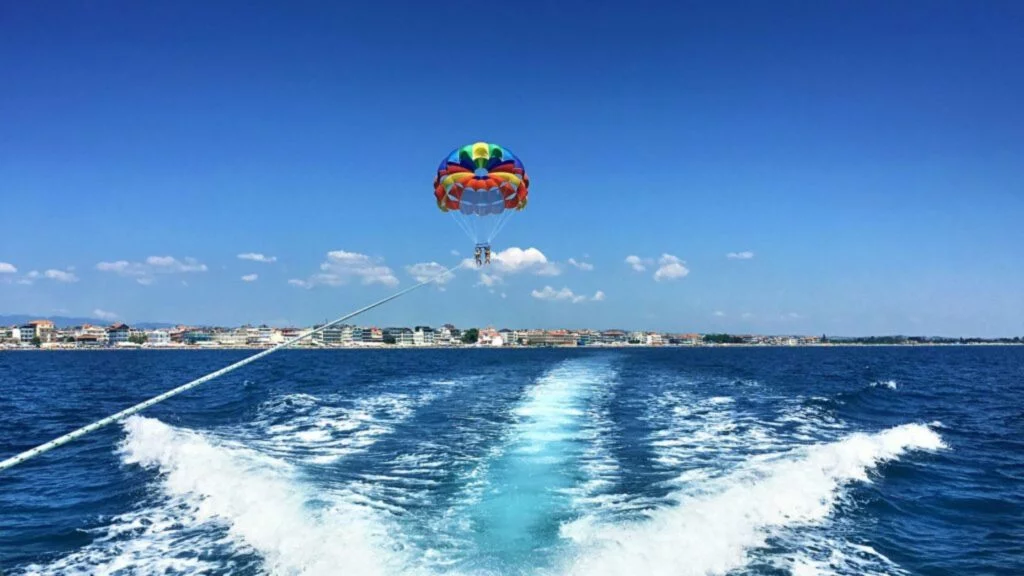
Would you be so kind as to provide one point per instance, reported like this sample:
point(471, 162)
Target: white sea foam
point(238, 500)
point(714, 532)
point(553, 459)
point(890, 384)
point(323, 430)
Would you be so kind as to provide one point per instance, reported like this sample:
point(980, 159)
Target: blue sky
point(867, 156)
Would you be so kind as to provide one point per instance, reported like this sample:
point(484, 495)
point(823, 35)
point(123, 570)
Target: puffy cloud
point(745, 255)
point(104, 314)
point(489, 279)
point(6, 268)
point(637, 263)
point(719, 313)
point(516, 260)
point(426, 271)
point(549, 293)
point(585, 266)
point(145, 272)
point(341, 267)
point(670, 267)
point(60, 276)
point(250, 277)
point(257, 257)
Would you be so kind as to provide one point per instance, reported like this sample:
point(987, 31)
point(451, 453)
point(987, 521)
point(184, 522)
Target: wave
point(713, 533)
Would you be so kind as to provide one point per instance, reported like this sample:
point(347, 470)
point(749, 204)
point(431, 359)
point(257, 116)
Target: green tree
point(470, 336)
point(389, 339)
point(36, 341)
point(138, 338)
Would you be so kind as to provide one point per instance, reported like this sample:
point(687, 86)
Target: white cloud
point(637, 263)
point(250, 277)
point(585, 266)
point(515, 260)
point(747, 315)
point(6, 268)
point(341, 267)
point(549, 293)
point(52, 274)
point(670, 267)
point(104, 315)
point(257, 257)
point(719, 313)
point(60, 276)
point(745, 255)
point(503, 295)
point(426, 271)
point(172, 264)
point(793, 315)
point(455, 252)
point(489, 279)
point(145, 272)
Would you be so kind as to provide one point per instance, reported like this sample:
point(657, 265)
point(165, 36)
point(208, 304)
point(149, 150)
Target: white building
point(158, 338)
point(423, 336)
point(231, 338)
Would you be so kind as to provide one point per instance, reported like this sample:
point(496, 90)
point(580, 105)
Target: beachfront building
point(89, 335)
point(197, 336)
point(42, 329)
point(373, 335)
point(231, 337)
point(550, 338)
point(158, 338)
point(400, 336)
point(10, 336)
point(423, 336)
point(486, 336)
point(118, 334)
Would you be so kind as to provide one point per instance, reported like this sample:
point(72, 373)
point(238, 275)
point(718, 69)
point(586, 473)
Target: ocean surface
point(739, 461)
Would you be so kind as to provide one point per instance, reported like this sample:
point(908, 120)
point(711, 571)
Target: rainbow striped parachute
point(481, 185)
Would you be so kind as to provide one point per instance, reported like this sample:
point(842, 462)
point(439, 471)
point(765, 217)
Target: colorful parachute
point(481, 185)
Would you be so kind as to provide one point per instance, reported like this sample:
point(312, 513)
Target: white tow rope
point(42, 448)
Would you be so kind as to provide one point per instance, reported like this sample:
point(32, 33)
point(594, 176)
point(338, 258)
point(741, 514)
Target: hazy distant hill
point(65, 321)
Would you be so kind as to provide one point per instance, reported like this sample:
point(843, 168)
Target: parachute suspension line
point(457, 216)
point(56, 442)
point(503, 219)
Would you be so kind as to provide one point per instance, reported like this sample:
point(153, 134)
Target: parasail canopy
point(481, 184)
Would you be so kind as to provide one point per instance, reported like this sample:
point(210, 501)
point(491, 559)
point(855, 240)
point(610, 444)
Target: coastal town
point(43, 334)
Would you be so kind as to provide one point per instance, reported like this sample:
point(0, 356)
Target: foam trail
point(260, 501)
point(712, 533)
point(532, 480)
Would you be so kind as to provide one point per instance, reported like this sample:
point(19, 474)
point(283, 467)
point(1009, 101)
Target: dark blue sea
point(739, 461)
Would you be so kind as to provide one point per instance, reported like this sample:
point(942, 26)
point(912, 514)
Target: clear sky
point(863, 162)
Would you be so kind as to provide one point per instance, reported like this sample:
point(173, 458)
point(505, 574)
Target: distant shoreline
point(590, 347)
